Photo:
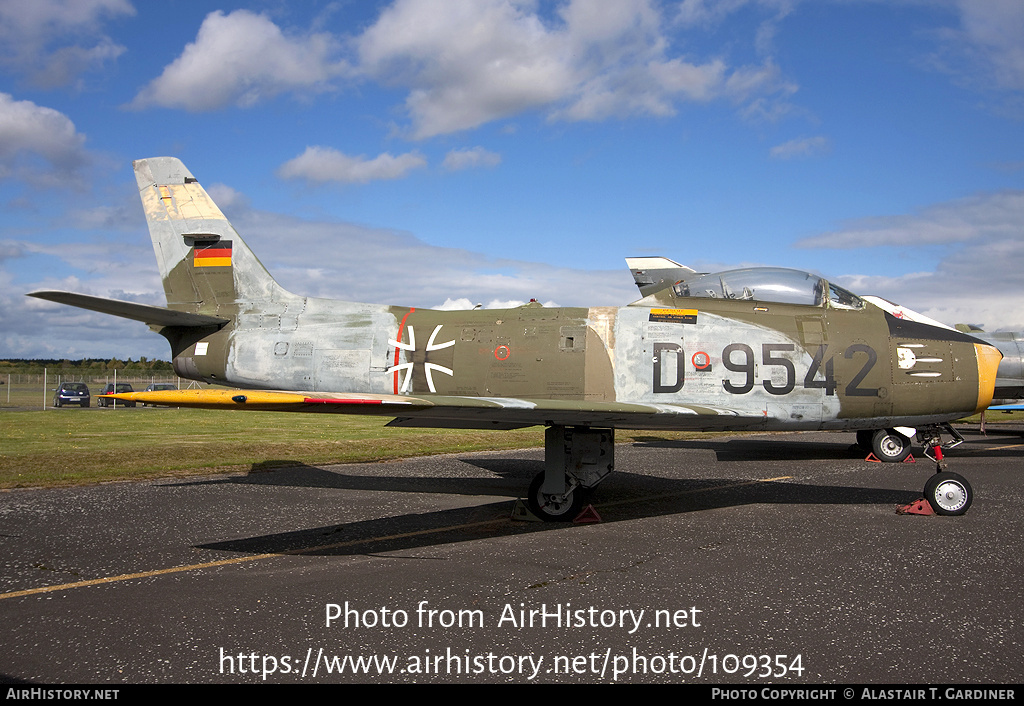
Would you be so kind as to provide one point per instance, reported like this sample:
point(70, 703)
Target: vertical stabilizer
point(205, 265)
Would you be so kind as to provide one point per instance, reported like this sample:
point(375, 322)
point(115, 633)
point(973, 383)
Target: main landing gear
point(576, 460)
point(948, 493)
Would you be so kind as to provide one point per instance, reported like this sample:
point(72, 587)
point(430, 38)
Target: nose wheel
point(948, 493)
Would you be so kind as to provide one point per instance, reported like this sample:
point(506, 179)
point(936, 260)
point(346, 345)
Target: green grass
point(73, 447)
point(70, 446)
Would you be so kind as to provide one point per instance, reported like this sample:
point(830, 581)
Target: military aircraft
point(751, 349)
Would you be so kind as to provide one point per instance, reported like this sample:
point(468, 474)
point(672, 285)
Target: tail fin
point(205, 265)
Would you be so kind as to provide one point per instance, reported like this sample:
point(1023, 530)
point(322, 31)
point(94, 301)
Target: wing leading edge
point(464, 412)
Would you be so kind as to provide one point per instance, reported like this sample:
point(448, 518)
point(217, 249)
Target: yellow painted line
point(350, 543)
point(1000, 448)
point(990, 448)
point(240, 560)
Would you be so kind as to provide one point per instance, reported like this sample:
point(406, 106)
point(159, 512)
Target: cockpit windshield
point(768, 284)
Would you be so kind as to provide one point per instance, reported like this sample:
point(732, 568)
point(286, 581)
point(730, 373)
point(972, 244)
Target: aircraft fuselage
point(800, 367)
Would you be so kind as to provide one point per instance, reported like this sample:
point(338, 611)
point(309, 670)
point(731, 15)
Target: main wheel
point(948, 493)
point(554, 508)
point(890, 446)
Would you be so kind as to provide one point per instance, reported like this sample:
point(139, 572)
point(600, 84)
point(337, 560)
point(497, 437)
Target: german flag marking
point(213, 255)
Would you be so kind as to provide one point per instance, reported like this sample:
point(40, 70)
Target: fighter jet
point(751, 349)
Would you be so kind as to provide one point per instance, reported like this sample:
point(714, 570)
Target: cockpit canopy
point(768, 284)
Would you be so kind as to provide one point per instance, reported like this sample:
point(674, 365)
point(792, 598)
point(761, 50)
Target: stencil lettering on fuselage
point(718, 361)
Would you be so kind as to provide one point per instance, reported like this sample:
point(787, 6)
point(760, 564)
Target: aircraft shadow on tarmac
point(625, 496)
point(509, 476)
point(514, 475)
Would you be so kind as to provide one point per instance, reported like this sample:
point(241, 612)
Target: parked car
point(109, 389)
point(72, 393)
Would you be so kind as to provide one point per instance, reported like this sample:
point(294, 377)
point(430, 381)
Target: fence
point(36, 390)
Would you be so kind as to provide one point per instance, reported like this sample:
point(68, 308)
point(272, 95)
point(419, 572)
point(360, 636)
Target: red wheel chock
point(918, 507)
point(587, 516)
point(871, 458)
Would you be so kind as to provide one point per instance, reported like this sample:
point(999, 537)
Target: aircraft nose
point(988, 364)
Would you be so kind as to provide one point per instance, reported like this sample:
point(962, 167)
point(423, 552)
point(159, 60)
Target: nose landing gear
point(948, 493)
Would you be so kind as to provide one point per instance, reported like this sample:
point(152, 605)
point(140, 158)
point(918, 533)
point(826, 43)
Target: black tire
point(948, 493)
point(890, 446)
point(864, 437)
point(553, 509)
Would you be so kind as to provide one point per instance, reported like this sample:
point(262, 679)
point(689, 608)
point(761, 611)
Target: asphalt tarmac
point(753, 560)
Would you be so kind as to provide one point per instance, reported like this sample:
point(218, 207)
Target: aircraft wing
point(152, 315)
point(1008, 407)
point(463, 412)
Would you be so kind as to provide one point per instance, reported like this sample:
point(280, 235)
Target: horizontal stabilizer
point(152, 315)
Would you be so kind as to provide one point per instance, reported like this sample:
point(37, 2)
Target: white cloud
point(240, 59)
point(427, 275)
point(983, 217)
point(471, 158)
point(323, 164)
point(482, 60)
point(463, 304)
point(990, 42)
point(33, 328)
point(53, 41)
point(705, 13)
point(228, 200)
point(38, 144)
point(981, 275)
point(803, 147)
point(474, 62)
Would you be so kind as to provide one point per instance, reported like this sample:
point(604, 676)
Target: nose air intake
point(988, 364)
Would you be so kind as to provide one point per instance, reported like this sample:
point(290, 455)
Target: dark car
point(109, 389)
point(72, 393)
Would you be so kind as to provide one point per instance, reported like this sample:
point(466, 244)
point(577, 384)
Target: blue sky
point(446, 153)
